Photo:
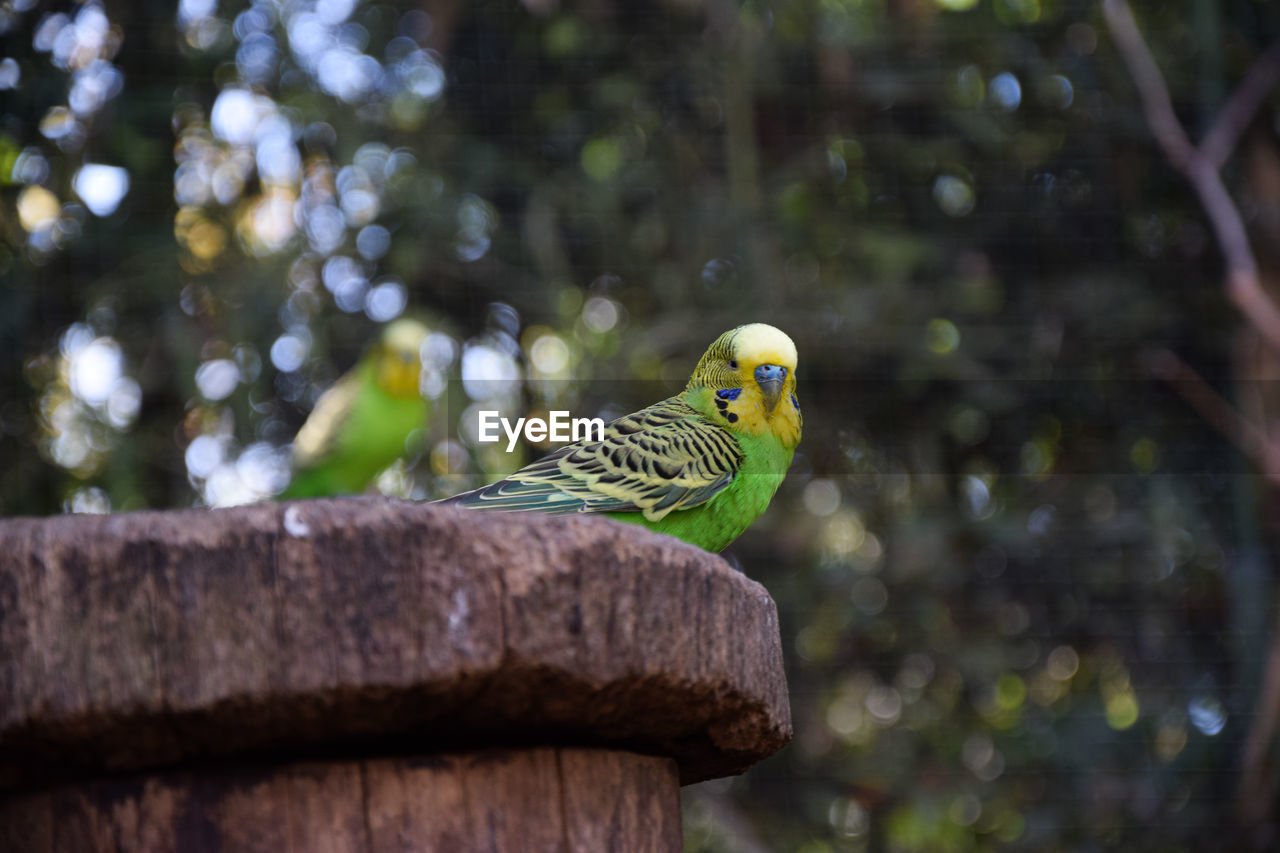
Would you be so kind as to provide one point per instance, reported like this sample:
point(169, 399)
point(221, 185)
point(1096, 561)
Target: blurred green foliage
point(1024, 589)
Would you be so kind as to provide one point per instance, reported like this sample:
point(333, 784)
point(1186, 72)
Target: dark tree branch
point(1222, 138)
point(1200, 167)
point(1247, 436)
point(1156, 103)
point(1256, 789)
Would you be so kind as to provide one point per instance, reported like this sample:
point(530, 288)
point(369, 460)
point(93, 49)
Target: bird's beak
point(771, 378)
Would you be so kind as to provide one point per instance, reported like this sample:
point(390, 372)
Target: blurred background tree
point(1025, 588)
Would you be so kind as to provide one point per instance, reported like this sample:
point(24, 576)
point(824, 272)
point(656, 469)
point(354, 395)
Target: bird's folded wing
point(663, 458)
point(319, 434)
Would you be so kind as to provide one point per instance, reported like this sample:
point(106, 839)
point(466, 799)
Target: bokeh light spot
point(1145, 455)
point(235, 116)
point(89, 500)
point(954, 195)
point(1122, 709)
point(204, 454)
point(10, 73)
point(373, 241)
point(884, 703)
point(1207, 714)
point(942, 336)
point(1017, 11)
point(601, 158)
point(101, 188)
point(488, 373)
point(1058, 91)
point(821, 497)
point(600, 314)
point(1063, 663)
point(869, 595)
point(385, 301)
point(288, 352)
point(1005, 91)
point(550, 355)
point(37, 208)
point(217, 378)
point(95, 368)
point(1010, 692)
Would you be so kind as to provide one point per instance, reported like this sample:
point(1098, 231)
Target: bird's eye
point(733, 364)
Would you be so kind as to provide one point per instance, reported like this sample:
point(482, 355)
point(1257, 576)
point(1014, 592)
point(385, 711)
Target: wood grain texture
point(535, 800)
point(334, 629)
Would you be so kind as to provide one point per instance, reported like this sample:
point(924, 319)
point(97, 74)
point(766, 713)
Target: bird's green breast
point(379, 427)
point(371, 435)
point(716, 523)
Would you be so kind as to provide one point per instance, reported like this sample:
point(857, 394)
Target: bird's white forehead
point(764, 344)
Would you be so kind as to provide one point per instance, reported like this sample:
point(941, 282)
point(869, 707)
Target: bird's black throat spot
point(733, 417)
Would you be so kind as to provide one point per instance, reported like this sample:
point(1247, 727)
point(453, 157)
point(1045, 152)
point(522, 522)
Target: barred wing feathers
point(663, 458)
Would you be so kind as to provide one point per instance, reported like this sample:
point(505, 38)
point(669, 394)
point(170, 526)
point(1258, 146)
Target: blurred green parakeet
point(701, 465)
point(365, 420)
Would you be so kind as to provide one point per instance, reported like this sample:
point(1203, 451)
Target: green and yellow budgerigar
point(365, 420)
point(701, 465)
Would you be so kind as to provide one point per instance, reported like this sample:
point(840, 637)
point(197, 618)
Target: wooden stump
point(527, 799)
point(360, 675)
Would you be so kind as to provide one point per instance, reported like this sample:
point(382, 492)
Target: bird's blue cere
point(770, 373)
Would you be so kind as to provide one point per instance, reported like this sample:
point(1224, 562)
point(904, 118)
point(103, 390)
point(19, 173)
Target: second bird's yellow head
point(751, 374)
point(397, 358)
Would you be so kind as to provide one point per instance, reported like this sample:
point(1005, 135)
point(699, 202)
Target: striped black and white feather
point(663, 458)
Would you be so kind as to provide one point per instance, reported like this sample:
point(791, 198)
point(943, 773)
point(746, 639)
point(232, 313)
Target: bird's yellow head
point(397, 358)
point(749, 375)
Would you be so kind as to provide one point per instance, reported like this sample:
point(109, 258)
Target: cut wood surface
point(588, 800)
point(345, 629)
